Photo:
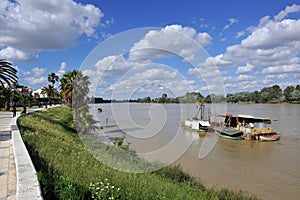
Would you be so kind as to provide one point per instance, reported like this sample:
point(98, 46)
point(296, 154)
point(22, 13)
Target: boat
point(229, 133)
point(253, 128)
point(269, 137)
point(199, 123)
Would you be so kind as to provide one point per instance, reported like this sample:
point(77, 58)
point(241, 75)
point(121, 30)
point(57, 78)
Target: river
point(269, 170)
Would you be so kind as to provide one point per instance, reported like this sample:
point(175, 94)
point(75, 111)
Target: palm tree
point(74, 86)
point(50, 91)
point(8, 74)
point(74, 89)
point(25, 96)
point(52, 78)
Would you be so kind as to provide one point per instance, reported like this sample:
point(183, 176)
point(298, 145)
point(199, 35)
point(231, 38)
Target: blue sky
point(248, 44)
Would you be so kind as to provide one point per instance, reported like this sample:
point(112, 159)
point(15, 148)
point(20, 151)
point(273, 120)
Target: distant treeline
point(273, 94)
point(101, 100)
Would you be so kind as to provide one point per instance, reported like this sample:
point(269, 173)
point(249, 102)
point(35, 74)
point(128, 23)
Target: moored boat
point(269, 137)
point(199, 123)
point(254, 128)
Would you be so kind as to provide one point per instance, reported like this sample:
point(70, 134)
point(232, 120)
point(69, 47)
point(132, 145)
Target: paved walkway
point(8, 181)
point(18, 178)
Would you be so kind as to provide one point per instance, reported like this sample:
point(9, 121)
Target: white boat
point(269, 137)
point(199, 123)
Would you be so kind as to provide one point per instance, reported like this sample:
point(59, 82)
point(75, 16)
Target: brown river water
point(269, 170)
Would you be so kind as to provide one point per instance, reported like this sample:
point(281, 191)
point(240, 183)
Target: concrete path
point(18, 178)
point(8, 181)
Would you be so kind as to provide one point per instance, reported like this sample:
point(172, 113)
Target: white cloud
point(245, 69)
point(244, 78)
point(10, 53)
point(220, 60)
point(62, 69)
point(108, 22)
point(31, 26)
point(115, 64)
point(240, 34)
point(173, 39)
point(273, 45)
point(37, 77)
point(288, 10)
point(274, 34)
point(276, 76)
point(231, 21)
point(282, 69)
point(158, 74)
point(150, 82)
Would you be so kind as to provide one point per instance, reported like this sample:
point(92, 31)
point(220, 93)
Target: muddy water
point(269, 170)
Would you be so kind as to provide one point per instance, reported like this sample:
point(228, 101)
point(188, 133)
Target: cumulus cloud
point(288, 10)
point(31, 26)
point(231, 21)
point(173, 39)
point(150, 81)
point(272, 48)
point(62, 69)
point(10, 53)
point(37, 77)
point(245, 69)
point(295, 68)
point(240, 34)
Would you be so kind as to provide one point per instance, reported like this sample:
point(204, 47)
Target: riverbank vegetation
point(273, 94)
point(67, 170)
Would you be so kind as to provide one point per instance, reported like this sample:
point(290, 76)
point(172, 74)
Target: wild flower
point(104, 190)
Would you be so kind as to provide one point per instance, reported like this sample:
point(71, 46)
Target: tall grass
point(67, 170)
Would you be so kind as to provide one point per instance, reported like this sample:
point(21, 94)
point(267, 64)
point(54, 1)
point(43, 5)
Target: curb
point(28, 187)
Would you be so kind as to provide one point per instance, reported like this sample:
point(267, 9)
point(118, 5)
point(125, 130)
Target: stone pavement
point(8, 181)
point(18, 178)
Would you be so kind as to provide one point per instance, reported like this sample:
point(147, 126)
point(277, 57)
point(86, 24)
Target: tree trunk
point(7, 105)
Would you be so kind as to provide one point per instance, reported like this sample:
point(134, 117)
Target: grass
point(67, 170)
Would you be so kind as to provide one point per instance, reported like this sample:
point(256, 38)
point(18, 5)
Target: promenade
point(18, 178)
point(8, 179)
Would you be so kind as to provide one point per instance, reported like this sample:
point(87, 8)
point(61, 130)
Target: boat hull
point(232, 138)
point(197, 125)
point(230, 133)
point(272, 137)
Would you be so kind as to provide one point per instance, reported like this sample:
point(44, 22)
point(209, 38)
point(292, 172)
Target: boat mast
point(202, 111)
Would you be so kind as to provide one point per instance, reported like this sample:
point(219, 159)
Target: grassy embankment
point(67, 170)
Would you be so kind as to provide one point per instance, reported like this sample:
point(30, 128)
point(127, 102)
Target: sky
point(132, 49)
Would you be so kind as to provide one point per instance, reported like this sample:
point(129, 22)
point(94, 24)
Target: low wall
point(28, 187)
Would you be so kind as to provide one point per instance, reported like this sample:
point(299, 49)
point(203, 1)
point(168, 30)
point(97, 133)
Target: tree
point(254, 96)
point(52, 78)
point(164, 98)
point(288, 93)
point(5, 94)
point(51, 92)
point(8, 74)
point(67, 83)
point(24, 96)
point(74, 89)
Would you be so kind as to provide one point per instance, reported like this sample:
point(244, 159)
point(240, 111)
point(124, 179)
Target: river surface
point(269, 170)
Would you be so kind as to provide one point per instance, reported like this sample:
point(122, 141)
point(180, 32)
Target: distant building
point(38, 94)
